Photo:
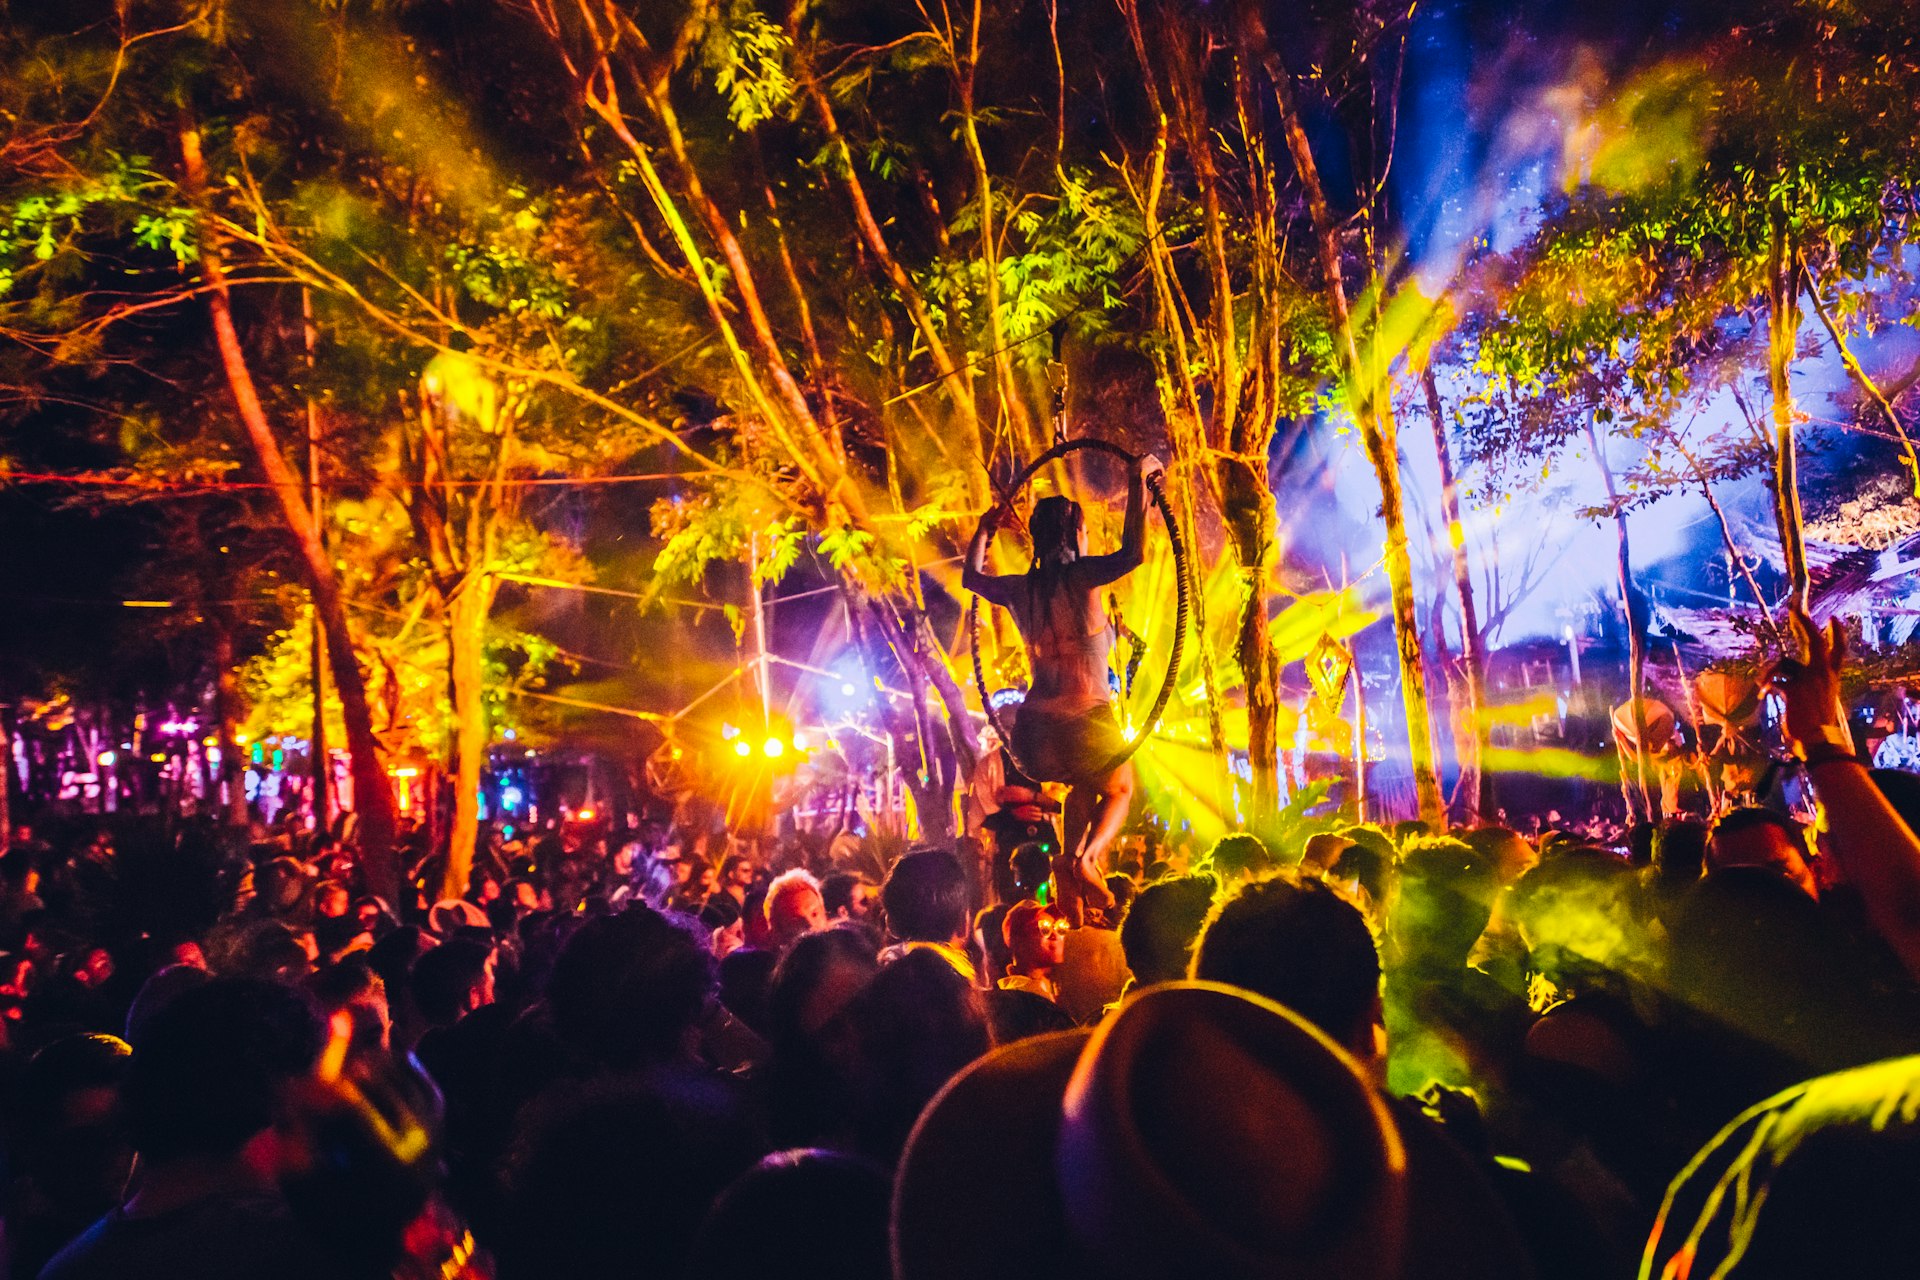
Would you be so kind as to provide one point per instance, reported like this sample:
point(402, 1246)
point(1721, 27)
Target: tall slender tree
point(373, 795)
point(1364, 361)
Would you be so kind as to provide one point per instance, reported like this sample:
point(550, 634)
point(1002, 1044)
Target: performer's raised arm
point(1097, 571)
point(974, 577)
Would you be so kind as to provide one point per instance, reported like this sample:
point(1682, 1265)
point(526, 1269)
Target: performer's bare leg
point(1095, 812)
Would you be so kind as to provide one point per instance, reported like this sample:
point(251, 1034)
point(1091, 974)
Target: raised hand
point(1809, 683)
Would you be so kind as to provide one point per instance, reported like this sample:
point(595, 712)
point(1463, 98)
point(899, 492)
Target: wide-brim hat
point(449, 915)
point(1200, 1130)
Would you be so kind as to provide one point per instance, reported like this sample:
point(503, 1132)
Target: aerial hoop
point(1182, 606)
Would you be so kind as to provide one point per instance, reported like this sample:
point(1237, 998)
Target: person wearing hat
point(1301, 942)
point(450, 915)
point(1198, 1131)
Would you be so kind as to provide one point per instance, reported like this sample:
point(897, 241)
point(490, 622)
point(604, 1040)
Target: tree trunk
point(205, 781)
point(1233, 423)
point(1783, 329)
point(931, 790)
point(1253, 648)
point(1237, 408)
point(1173, 369)
point(1013, 408)
point(1359, 742)
point(1473, 786)
point(226, 715)
point(1248, 512)
point(432, 815)
point(322, 770)
point(372, 797)
point(467, 613)
point(1185, 511)
point(960, 725)
point(1367, 400)
point(1636, 642)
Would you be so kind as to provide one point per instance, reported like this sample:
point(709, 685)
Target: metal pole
point(317, 745)
point(1359, 744)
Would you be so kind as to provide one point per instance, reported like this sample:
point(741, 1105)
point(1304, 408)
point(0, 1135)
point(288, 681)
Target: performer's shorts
point(1074, 746)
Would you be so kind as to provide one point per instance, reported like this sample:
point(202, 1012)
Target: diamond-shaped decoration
point(1328, 667)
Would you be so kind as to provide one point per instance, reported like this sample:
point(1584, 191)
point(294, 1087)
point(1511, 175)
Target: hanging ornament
point(1729, 699)
point(1328, 667)
point(1660, 726)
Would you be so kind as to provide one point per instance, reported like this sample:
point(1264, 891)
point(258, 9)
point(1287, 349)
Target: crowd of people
point(1389, 1052)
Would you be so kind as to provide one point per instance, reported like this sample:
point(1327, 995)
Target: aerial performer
point(1068, 729)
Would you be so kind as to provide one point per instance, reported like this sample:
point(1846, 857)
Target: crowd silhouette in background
point(1388, 1053)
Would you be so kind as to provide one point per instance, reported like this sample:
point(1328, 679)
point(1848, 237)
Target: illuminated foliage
point(810, 266)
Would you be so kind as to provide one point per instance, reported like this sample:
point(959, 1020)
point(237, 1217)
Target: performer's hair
point(1055, 529)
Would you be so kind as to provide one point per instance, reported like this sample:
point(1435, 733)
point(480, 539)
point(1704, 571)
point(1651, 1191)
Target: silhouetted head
point(627, 989)
point(1300, 942)
point(612, 1176)
point(915, 1025)
point(926, 897)
point(1755, 836)
point(1575, 914)
point(208, 1069)
point(1680, 850)
point(1239, 856)
point(1158, 934)
point(1446, 898)
point(818, 1212)
point(814, 981)
point(1508, 851)
point(1031, 864)
point(1058, 528)
point(68, 1130)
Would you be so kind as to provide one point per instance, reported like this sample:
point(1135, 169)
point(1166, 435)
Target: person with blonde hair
point(794, 907)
